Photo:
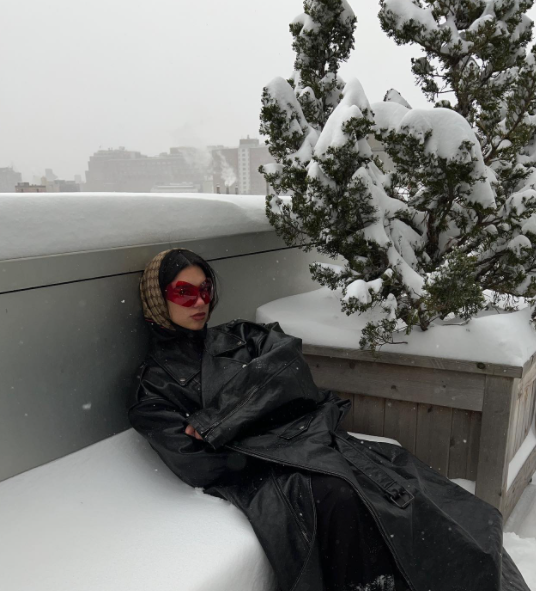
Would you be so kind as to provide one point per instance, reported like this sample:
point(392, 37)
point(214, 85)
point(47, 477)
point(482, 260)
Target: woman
point(234, 409)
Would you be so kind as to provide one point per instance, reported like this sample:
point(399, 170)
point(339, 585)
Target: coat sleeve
point(163, 424)
point(274, 388)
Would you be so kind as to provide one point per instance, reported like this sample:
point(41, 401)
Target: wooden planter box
point(463, 418)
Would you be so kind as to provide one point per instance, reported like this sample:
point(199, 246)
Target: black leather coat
point(253, 399)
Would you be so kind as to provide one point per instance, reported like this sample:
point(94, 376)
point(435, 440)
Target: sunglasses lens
point(185, 300)
point(185, 294)
point(207, 291)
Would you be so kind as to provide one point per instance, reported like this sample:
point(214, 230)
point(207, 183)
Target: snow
point(481, 22)
point(519, 200)
point(347, 12)
point(523, 552)
point(388, 114)
point(406, 10)
point(448, 131)
point(308, 24)
point(504, 338)
point(520, 534)
point(411, 278)
point(376, 438)
point(527, 447)
point(112, 516)
point(518, 244)
point(468, 485)
point(407, 241)
point(305, 153)
point(394, 96)
point(354, 104)
point(529, 225)
point(48, 224)
point(360, 290)
point(354, 94)
point(333, 135)
point(283, 95)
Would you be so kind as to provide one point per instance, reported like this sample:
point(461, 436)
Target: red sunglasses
point(186, 294)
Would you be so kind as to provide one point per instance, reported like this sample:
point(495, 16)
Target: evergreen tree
point(475, 56)
point(457, 216)
point(316, 128)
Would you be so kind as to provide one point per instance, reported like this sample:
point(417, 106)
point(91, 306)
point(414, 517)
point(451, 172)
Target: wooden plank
point(348, 422)
point(384, 357)
point(529, 369)
point(521, 481)
point(515, 427)
point(369, 415)
point(410, 384)
point(401, 423)
point(459, 443)
point(522, 418)
point(530, 409)
point(433, 436)
point(493, 456)
point(475, 428)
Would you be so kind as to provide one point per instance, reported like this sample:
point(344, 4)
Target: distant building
point(61, 186)
point(27, 188)
point(9, 180)
point(49, 175)
point(130, 171)
point(236, 170)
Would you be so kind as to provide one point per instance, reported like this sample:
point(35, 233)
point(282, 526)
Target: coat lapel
point(181, 366)
point(217, 367)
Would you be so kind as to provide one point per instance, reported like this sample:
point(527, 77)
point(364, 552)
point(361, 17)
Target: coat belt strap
point(396, 493)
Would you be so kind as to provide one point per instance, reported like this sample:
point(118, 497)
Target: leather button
point(182, 381)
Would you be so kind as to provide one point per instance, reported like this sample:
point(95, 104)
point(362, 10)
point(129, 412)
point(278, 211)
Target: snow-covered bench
point(113, 517)
point(81, 508)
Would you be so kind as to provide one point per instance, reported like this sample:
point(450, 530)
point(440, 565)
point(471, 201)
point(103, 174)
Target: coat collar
point(219, 365)
point(182, 362)
point(219, 341)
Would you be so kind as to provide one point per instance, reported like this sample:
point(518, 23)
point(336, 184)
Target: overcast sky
point(78, 76)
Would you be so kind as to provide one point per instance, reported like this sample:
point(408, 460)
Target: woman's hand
point(192, 432)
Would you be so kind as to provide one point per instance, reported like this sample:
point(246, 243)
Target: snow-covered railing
point(71, 328)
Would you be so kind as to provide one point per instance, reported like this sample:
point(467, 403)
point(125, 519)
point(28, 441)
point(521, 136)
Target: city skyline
point(211, 169)
point(179, 74)
point(35, 175)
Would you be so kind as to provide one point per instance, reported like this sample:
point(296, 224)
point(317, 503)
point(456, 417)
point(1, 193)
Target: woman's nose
point(199, 302)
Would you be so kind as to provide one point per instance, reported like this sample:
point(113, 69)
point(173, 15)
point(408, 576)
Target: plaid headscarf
point(154, 305)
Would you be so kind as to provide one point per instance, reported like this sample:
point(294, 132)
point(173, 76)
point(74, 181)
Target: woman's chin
point(197, 324)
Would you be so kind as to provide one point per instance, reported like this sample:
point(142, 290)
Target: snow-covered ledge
point(462, 397)
point(71, 328)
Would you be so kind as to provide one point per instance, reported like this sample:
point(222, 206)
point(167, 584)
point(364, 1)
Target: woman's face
point(182, 315)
